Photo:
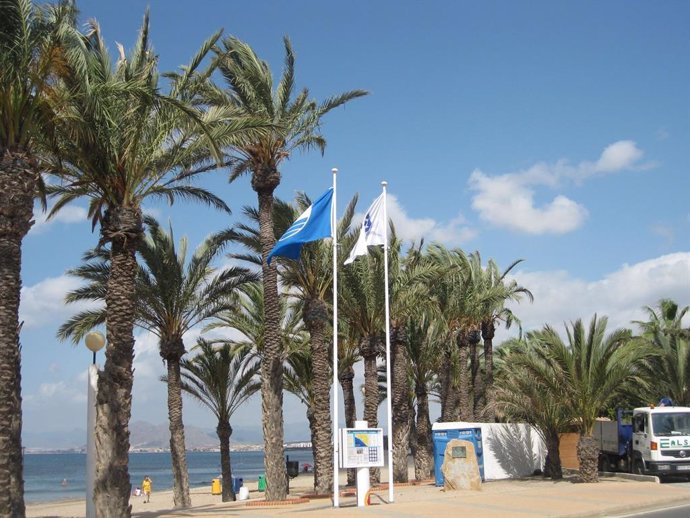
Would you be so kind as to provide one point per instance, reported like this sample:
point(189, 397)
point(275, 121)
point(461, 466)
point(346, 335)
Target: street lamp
point(94, 342)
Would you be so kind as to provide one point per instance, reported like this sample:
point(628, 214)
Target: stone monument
point(460, 467)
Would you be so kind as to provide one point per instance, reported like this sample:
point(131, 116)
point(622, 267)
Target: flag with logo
point(373, 231)
point(312, 225)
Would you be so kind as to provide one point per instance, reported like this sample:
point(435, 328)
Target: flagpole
point(334, 236)
point(388, 348)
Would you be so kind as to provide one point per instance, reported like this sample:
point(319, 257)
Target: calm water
point(44, 473)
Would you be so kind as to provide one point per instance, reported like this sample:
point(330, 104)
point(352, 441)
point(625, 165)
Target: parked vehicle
point(646, 441)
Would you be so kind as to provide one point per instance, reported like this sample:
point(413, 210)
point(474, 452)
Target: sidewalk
point(505, 499)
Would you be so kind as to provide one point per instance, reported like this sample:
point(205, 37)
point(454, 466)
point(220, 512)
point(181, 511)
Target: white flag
point(373, 230)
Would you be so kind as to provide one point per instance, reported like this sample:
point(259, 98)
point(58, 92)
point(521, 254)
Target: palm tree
point(296, 121)
point(221, 378)
point(590, 370)
point(409, 280)
point(172, 298)
point(423, 347)
point(348, 356)
point(493, 314)
point(310, 281)
point(119, 142)
point(671, 366)
point(524, 397)
point(31, 52)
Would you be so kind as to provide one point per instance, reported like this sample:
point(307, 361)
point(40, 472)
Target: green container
point(262, 483)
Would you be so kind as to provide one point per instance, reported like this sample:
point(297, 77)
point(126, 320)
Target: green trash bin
point(262, 483)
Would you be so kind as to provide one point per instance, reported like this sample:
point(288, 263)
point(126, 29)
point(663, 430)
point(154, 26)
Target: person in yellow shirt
point(146, 488)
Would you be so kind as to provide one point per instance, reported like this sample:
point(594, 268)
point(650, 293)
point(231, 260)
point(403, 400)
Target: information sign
point(361, 448)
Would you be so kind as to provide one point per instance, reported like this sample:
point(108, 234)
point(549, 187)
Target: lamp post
point(94, 342)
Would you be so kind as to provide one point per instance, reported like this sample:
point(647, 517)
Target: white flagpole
point(388, 348)
point(334, 236)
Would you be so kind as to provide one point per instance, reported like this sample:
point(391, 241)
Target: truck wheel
point(638, 467)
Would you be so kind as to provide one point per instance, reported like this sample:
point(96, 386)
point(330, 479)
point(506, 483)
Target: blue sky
point(555, 132)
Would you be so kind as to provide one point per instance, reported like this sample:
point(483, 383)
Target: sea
point(51, 477)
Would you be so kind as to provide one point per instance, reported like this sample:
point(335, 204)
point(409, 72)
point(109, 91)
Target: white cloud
point(508, 200)
point(620, 295)
point(620, 155)
point(68, 214)
point(43, 303)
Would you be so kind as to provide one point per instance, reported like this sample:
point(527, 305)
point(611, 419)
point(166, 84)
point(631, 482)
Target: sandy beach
point(162, 501)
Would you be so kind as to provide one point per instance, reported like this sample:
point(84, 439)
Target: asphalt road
point(672, 511)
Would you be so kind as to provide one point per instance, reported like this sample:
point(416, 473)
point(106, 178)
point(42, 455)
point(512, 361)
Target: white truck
point(646, 441)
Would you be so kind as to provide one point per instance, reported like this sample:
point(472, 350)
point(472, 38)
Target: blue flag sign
point(312, 225)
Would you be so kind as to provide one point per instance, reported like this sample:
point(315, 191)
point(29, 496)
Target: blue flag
point(312, 225)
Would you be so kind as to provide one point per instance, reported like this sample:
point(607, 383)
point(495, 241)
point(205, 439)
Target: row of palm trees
point(110, 131)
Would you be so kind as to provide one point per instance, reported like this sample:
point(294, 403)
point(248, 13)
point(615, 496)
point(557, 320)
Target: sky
point(553, 132)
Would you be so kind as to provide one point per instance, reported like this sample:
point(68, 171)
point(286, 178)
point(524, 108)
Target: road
point(672, 511)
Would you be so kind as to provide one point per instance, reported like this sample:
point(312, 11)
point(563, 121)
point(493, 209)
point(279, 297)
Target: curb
point(630, 476)
point(628, 508)
point(276, 503)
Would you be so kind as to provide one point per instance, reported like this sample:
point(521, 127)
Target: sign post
point(362, 448)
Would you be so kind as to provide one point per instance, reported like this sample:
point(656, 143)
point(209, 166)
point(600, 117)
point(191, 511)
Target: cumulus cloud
point(508, 200)
point(43, 303)
point(620, 295)
point(68, 214)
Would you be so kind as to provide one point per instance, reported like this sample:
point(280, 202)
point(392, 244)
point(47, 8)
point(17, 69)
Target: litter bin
point(216, 488)
point(237, 483)
point(262, 483)
point(443, 433)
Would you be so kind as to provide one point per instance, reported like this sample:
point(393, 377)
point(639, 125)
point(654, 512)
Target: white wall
point(511, 450)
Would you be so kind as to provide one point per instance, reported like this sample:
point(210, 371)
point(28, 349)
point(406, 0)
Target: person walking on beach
point(146, 488)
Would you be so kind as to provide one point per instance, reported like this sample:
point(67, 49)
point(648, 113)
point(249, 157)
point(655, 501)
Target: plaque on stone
point(460, 467)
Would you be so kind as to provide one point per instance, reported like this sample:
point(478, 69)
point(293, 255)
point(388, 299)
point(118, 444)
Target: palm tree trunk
point(588, 456)
point(553, 466)
point(224, 431)
point(122, 227)
point(17, 191)
point(271, 360)
point(172, 353)
point(475, 381)
point(312, 433)
point(424, 453)
point(448, 393)
point(370, 350)
point(400, 404)
point(464, 378)
point(488, 332)
point(315, 318)
point(346, 377)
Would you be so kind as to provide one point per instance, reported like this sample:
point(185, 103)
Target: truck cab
point(661, 440)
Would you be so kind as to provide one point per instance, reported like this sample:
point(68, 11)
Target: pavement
point(532, 497)
point(528, 497)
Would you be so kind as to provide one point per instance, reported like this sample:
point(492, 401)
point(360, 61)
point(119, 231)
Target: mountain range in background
point(144, 435)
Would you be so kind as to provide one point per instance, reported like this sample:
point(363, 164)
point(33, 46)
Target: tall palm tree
point(310, 281)
point(119, 142)
point(348, 356)
point(409, 278)
point(296, 121)
point(591, 369)
point(221, 378)
point(494, 314)
point(173, 296)
point(31, 52)
point(423, 347)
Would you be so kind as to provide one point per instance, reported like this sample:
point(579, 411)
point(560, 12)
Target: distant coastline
point(303, 445)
